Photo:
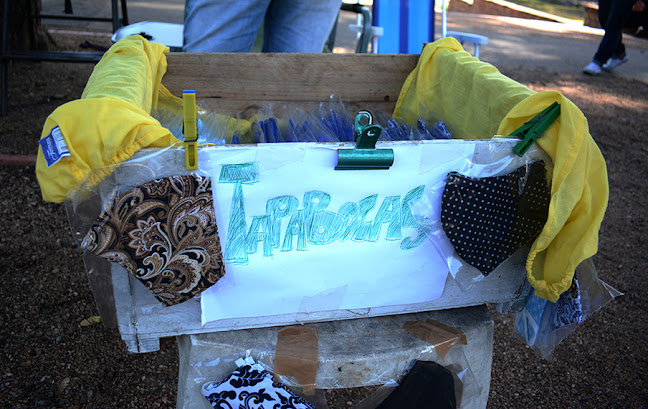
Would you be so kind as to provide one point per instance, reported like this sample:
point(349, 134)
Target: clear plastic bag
point(491, 160)
point(543, 325)
point(332, 121)
point(466, 387)
point(352, 353)
point(101, 186)
point(213, 127)
point(395, 129)
point(336, 124)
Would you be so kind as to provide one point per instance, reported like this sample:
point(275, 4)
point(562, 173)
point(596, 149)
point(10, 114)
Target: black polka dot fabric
point(489, 219)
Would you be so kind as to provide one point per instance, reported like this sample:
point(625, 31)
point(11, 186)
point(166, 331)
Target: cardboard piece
point(297, 355)
point(439, 335)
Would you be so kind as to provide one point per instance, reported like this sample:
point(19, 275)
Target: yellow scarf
point(481, 102)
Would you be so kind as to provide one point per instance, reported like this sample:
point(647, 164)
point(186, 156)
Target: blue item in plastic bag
point(527, 322)
point(543, 324)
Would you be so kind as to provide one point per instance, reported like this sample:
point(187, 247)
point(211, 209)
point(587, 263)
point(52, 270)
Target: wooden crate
point(231, 83)
point(234, 82)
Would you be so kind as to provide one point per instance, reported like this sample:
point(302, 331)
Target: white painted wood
point(143, 320)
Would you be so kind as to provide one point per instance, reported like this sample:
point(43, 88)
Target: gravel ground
point(49, 360)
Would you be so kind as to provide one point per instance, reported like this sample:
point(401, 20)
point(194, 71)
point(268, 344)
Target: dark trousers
point(612, 15)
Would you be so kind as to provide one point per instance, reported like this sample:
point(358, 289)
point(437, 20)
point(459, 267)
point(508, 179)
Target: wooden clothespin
point(190, 129)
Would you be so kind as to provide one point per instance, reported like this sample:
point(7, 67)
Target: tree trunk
point(23, 31)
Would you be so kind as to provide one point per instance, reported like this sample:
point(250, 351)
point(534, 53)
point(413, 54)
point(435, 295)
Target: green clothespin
point(190, 129)
point(365, 156)
point(533, 129)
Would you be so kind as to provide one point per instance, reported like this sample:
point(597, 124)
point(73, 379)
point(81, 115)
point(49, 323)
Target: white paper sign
point(299, 236)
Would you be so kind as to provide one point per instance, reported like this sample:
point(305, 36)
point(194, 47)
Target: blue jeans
point(612, 15)
point(232, 25)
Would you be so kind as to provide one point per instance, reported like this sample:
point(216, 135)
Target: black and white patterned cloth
point(488, 219)
point(252, 387)
point(569, 308)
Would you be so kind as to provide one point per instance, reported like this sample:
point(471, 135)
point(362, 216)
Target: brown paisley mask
point(164, 233)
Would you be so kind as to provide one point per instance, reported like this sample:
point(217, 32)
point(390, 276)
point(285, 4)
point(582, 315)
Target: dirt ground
point(49, 360)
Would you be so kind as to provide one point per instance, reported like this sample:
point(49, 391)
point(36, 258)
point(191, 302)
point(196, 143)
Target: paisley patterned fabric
point(164, 233)
point(252, 387)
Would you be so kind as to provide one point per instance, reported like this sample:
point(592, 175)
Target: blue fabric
point(538, 322)
point(232, 26)
point(527, 322)
point(337, 128)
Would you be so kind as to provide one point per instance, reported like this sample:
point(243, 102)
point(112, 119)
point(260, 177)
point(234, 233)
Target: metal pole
point(443, 19)
point(115, 15)
point(3, 111)
point(4, 62)
point(124, 11)
point(5, 21)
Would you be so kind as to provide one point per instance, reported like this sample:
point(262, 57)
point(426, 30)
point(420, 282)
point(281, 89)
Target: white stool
point(352, 353)
point(168, 34)
point(475, 39)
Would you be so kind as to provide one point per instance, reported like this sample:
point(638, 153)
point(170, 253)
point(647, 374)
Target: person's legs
point(604, 11)
point(222, 25)
point(299, 25)
point(611, 44)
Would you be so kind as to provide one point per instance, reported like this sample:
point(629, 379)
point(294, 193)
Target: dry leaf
point(95, 319)
point(63, 385)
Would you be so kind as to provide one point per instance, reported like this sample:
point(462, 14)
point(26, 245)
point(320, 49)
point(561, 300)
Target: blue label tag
point(54, 147)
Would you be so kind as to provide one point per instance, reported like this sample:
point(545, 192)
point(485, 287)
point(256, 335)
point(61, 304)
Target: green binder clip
point(365, 156)
point(533, 129)
point(190, 129)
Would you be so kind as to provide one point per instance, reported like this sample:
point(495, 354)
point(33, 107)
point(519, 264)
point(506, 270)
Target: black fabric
point(489, 219)
point(427, 385)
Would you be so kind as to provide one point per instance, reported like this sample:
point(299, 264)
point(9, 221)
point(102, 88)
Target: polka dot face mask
point(488, 219)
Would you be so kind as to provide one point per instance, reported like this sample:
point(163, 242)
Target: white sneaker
point(615, 62)
point(592, 69)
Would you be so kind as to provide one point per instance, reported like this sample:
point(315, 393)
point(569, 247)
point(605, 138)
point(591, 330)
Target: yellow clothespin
point(190, 129)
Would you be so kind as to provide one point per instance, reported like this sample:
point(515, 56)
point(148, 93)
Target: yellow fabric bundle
point(579, 194)
point(470, 95)
point(112, 119)
point(479, 100)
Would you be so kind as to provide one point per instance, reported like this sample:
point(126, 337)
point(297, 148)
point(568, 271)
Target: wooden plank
point(146, 320)
point(235, 107)
point(233, 81)
point(124, 305)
